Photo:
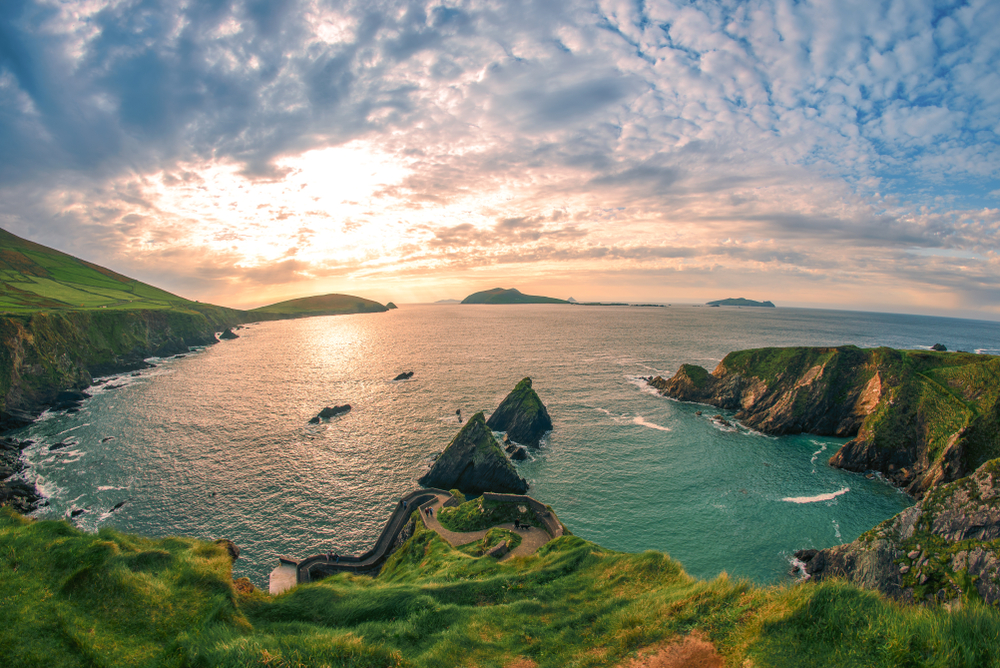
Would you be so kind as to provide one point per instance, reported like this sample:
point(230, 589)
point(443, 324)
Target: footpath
point(291, 572)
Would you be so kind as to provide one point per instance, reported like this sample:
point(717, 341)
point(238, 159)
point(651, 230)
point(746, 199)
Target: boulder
point(333, 411)
point(522, 415)
point(474, 463)
point(519, 454)
point(230, 547)
point(940, 347)
point(229, 334)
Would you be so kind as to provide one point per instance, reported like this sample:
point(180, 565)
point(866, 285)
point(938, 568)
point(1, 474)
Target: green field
point(69, 598)
point(33, 278)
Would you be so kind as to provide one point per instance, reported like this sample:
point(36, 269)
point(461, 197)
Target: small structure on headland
point(291, 572)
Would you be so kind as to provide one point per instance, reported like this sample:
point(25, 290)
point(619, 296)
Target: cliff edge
point(921, 418)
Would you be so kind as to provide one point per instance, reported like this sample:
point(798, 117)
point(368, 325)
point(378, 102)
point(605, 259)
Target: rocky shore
point(919, 418)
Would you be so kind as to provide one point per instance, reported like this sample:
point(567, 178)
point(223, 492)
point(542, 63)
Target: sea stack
point(475, 463)
point(522, 415)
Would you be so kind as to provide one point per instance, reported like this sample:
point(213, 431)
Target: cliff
point(474, 463)
point(522, 415)
point(944, 548)
point(921, 418)
point(45, 352)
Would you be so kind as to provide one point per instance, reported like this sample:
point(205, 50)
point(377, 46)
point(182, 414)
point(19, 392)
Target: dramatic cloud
point(843, 153)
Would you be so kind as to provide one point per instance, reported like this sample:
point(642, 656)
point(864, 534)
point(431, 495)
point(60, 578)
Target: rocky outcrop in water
point(22, 496)
point(474, 463)
point(920, 418)
point(329, 412)
point(522, 415)
point(944, 548)
point(406, 375)
point(229, 335)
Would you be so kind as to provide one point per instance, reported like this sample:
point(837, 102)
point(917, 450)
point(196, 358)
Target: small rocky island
point(522, 415)
point(509, 296)
point(475, 463)
point(739, 301)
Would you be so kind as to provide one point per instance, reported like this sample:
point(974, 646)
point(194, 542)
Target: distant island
point(448, 301)
point(508, 296)
point(332, 304)
point(739, 301)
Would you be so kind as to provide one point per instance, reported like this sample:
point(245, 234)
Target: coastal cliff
point(45, 352)
point(921, 418)
point(946, 547)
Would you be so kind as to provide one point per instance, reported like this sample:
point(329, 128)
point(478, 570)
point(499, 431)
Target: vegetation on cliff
point(474, 463)
point(919, 417)
point(111, 599)
point(508, 296)
point(522, 415)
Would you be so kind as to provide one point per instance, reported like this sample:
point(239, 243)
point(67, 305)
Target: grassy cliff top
point(508, 296)
point(34, 277)
point(332, 304)
point(76, 599)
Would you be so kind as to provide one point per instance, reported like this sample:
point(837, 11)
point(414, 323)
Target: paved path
point(291, 571)
point(532, 538)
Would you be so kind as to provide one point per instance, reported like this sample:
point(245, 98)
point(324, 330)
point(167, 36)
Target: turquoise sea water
point(216, 444)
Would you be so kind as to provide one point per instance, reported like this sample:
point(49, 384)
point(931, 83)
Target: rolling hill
point(508, 296)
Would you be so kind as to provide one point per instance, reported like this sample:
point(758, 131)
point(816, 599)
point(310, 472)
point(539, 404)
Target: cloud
point(709, 139)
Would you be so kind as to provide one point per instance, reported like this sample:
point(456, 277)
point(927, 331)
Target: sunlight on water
point(217, 443)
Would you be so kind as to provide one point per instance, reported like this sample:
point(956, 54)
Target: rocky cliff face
point(522, 415)
point(920, 418)
point(944, 548)
point(474, 463)
point(44, 353)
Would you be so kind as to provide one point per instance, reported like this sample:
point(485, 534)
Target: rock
point(61, 445)
point(107, 438)
point(964, 516)
point(71, 396)
point(940, 347)
point(519, 454)
point(22, 496)
point(14, 419)
point(118, 505)
point(229, 335)
point(243, 585)
point(497, 550)
point(230, 547)
point(333, 411)
point(474, 463)
point(406, 375)
point(76, 512)
point(522, 415)
point(314, 420)
point(391, 306)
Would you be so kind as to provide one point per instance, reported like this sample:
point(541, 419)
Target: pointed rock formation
point(475, 463)
point(522, 415)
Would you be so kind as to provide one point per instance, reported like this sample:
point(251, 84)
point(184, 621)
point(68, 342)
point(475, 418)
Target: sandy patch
point(692, 652)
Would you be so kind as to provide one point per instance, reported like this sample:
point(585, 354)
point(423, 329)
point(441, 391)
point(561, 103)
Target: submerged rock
point(522, 415)
point(474, 463)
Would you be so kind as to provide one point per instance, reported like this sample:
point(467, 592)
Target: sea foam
point(818, 497)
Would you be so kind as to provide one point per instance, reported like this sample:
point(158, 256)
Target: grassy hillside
point(70, 598)
point(33, 278)
point(332, 304)
point(511, 296)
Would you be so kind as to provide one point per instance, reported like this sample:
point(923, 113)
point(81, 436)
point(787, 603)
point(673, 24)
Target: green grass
point(492, 538)
point(75, 599)
point(479, 514)
point(332, 304)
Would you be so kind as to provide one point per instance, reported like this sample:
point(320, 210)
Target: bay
point(216, 443)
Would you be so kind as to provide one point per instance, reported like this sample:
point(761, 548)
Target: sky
point(841, 154)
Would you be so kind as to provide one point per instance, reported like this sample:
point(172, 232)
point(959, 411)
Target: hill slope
point(508, 296)
point(34, 277)
point(332, 304)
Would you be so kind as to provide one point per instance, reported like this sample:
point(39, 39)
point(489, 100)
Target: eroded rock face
point(475, 463)
point(920, 418)
point(943, 548)
point(522, 415)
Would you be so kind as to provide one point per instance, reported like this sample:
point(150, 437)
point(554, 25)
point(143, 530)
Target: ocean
point(216, 444)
